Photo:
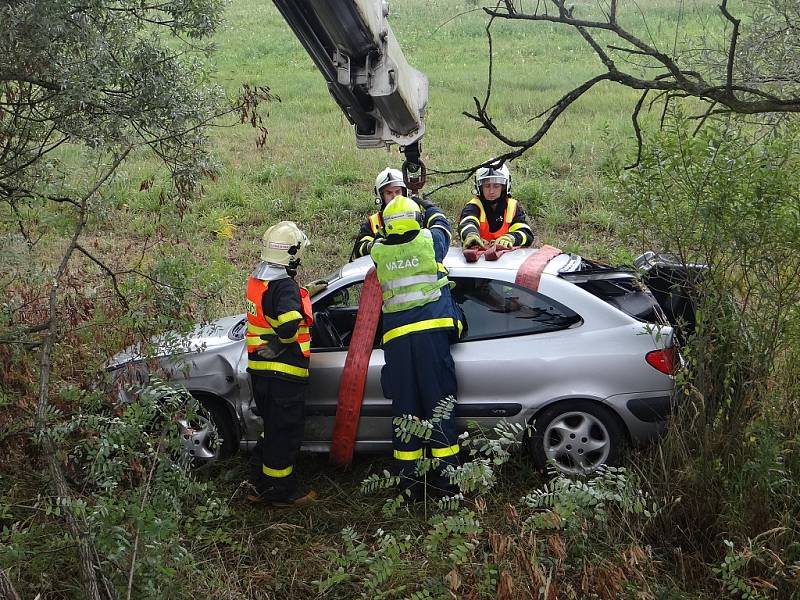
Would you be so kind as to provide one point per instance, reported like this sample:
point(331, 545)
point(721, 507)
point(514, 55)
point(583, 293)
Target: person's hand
point(472, 240)
point(505, 241)
point(315, 287)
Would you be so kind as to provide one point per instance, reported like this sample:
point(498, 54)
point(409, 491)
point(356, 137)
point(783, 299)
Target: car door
point(335, 315)
point(505, 361)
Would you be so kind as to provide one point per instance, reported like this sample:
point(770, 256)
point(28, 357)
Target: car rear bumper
point(645, 414)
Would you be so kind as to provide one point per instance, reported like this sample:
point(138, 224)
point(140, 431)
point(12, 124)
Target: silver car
point(582, 360)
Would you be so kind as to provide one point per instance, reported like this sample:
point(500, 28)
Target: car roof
point(455, 262)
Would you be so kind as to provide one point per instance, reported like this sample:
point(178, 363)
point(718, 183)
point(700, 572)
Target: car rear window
point(618, 286)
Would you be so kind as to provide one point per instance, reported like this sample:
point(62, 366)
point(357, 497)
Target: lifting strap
point(354, 375)
point(530, 271)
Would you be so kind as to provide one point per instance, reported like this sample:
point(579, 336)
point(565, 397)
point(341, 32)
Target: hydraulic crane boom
point(353, 46)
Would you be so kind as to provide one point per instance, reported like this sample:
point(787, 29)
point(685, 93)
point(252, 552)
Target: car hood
point(202, 337)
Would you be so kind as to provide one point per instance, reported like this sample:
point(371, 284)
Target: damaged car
point(585, 361)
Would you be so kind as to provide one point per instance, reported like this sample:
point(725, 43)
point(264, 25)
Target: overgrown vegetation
point(711, 511)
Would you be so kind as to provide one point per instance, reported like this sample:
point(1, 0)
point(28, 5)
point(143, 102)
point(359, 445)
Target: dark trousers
point(281, 404)
point(419, 373)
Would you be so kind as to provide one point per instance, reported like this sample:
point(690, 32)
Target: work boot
point(296, 499)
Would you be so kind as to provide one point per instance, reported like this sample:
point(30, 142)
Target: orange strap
point(354, 375)
point(530, 271)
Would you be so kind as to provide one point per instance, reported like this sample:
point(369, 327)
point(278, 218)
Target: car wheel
point(211, 435)
point(576, 437)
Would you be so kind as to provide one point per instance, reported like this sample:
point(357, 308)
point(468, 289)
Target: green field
point(310, 171)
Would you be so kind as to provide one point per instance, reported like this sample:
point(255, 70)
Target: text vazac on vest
point(403, 264)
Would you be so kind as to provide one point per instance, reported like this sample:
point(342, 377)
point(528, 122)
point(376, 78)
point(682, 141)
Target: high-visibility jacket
point(483, 223)
point(371, 229)
point(414, 285)
point(279, 316)
point(376, 224)
point(474, 219)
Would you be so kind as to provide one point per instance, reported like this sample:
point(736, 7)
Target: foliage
point(731, 451)
point(140, 497)
point(459, 550)
point(101, 76)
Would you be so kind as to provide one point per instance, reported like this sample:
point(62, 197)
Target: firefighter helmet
point(402, 215)
point(492, 175)
point(386, 178)
point(284, 244)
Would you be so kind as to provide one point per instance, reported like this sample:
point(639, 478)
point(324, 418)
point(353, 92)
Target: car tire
point(576, 436)
point(199, 438)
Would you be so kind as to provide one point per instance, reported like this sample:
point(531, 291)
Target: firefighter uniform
point(278, 351)
point(371, 229)
point(491, 220)
point(420, 321)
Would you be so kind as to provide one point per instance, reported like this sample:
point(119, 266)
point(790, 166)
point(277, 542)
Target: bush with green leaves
point(464, 547)
point(140, 497)
point(726, 195)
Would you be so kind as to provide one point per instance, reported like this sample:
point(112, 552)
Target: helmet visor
point(494, 179)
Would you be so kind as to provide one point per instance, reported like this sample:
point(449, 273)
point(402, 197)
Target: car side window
point(335, 319)
point(495, 308)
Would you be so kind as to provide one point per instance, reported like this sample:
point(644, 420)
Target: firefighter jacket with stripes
point(491, 220)
point(372, 228)
point(414, 284)
point(278, 321)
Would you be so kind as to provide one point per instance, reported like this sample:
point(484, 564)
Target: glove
point(505, 241)
point(472, 240)
point(316, 286)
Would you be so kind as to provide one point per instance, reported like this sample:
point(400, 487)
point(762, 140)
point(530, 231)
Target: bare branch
point(732, 49)
point(637, 130)
point(703, 119)
point(7, 591)
point(488, 95)
point(109, 272)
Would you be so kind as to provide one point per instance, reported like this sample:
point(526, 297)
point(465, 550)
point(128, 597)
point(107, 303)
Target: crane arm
point(353, 46)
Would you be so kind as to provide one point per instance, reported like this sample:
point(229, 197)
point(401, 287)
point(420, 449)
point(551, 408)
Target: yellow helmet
point(284, 244)
point(402, 215)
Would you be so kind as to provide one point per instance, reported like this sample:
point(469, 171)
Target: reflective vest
point(376, 224)
point(483, 224)
point(415, 291)
point(290, 356)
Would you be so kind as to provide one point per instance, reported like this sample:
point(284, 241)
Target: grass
point(310, 171)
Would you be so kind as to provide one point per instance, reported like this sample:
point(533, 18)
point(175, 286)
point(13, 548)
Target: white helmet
point(492, 175)
point(284, 244)
point(387, 177)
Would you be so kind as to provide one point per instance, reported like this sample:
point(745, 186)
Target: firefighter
point(388, 184)
point(493, 215)
point(278, 350)
point(420, 321)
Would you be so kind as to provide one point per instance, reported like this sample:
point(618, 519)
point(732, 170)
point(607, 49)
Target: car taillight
point(662, 360)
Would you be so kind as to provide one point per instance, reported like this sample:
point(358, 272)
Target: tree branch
point(732, 49)
point(108, 271)
point(637, 130)
point(75, 521)
point(7, 591)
